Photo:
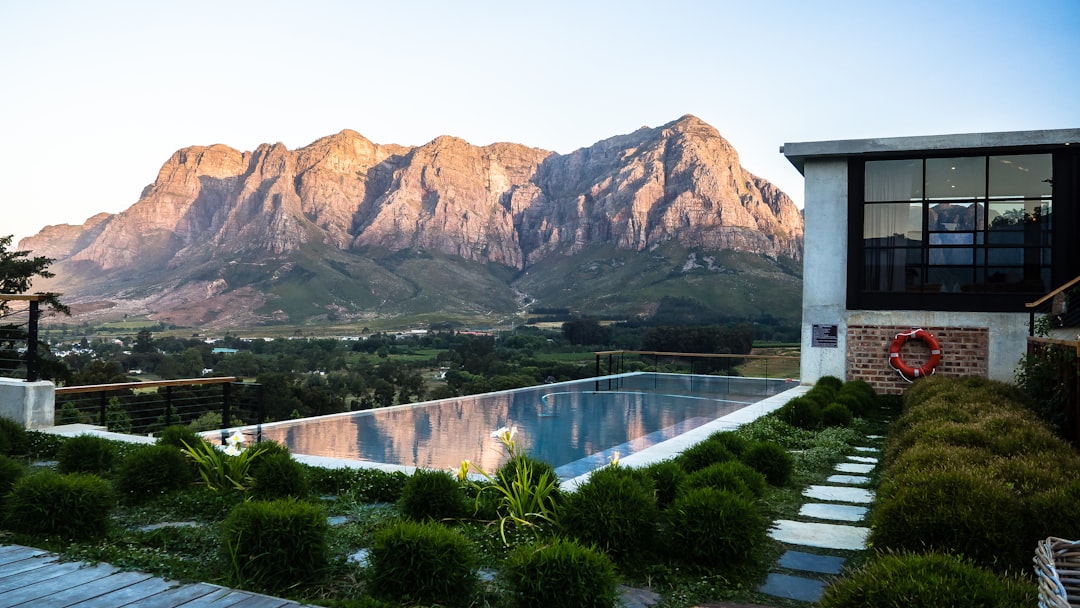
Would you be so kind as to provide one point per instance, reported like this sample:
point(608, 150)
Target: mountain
point(347, 230)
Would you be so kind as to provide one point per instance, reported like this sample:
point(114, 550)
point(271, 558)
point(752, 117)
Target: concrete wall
point(824, 265)
point(988, 344)
point(31, 404)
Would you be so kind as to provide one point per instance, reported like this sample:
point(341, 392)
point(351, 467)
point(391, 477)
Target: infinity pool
point(575, 426)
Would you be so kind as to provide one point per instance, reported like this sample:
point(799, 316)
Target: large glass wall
point(963, 225)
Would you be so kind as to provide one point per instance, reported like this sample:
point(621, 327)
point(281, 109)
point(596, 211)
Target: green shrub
point(732, 476)
point(858, 396)
point(926, 581)
point(771, 460)
point(802, 412)
point(10, 472)
point(715, 530)
point(667, 476)
point(277, 544)
point(179, 436)
point(703, 454)
point(150, 471)
point(422, 562)
point(614, 510)
point(432, 494)
point(836, 414)
point(734, 442)
point(86, 454)
point(74, 506)
point(956, 511)
point(13, 439)
point(268, 447)
point(43, 445)
point(117, 419)
point(277, 475)
point(560, 573)
point(829, 383)
point(69, 414)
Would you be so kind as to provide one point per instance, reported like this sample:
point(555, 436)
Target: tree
point(17, 273)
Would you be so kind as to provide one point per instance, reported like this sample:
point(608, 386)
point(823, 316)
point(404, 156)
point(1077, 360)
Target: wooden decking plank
point(131, 593)
point(177, 596)
point(40, 589)
point(222, 597)
point(49, 571)
point(24, 565)
point(255, 600)
point(91, 589)
point(14, 553)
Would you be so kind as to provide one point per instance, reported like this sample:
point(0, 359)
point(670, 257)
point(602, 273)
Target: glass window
point(1021, 176)
point(953, 178)
point(960, 225)
point(893, 180)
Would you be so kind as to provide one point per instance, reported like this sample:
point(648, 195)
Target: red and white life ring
point(906, 371)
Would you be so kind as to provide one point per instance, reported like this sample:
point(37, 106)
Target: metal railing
point(722, 364)
point(1058, 350)
point(1061, 307)
point(19, 338)
point(141, 408)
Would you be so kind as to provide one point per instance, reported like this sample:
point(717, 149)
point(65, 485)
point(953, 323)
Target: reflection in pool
point(572, 425)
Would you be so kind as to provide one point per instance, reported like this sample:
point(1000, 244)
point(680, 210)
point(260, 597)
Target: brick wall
point(963, 353)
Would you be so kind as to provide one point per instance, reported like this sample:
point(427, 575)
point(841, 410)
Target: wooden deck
point(35, 578)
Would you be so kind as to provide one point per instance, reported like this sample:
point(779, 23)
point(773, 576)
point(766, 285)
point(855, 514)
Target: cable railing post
point(31, 343)
point(168, 406)
point(260, 415)
point(226, 415)
point(101, 409)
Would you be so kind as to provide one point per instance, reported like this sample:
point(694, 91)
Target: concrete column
point(31, 404)
point(825, 258)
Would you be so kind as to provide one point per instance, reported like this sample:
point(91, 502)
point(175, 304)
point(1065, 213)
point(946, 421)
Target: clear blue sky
point(97, 95)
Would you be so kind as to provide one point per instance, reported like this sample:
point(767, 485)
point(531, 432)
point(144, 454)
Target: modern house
point(952, 234)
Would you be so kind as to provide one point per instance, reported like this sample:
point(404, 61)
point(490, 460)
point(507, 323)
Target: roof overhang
point(798, 153)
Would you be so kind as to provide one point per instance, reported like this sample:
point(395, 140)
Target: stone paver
point(850, 480)
point(819, 510)
point(811, 562)
point(824, 536)
point(631, 597)
point(866, 449)
point(792, 587)
point(850, 467)
point(840, 494)
point(864, 459)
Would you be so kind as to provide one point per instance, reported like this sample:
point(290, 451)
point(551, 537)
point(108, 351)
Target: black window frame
point(1064, 246)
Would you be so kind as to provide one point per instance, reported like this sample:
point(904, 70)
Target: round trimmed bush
point(830, 383)
point(925, 581)
point(667, 476)
point(560, 573)
point(86, 454)
point(13, 439)
point(278, 476)
point(150, 471)
point(614, 510)
point(732, 476)
point(422, 563)
point(703, 454)
point(802, 412)
point(771, 460)
point(715, 530)
point(432, 494)
point(74, 506)
point(734, 442)
point(273, 545)
point(836, 414)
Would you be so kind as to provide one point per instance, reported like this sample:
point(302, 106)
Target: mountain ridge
point(343, 197)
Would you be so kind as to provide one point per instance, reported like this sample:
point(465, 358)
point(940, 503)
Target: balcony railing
point(141, 408)
point(19, 338)
point(1058, 348)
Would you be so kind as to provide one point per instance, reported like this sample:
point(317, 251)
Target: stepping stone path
point(830, 521)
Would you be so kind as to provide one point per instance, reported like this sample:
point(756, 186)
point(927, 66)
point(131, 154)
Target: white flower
point(499, 432)
point(235, 439)
point(232, 450)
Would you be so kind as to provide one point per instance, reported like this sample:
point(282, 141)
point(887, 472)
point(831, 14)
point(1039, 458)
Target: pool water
point(575, 426)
